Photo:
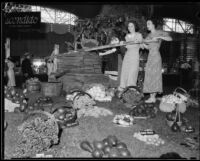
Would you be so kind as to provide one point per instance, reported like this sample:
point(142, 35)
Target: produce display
point(72, 94)
point(168, 103)
point(9, 106)
point(44, 101)
point(65, 116)
point(110, 147)
point(99, 93)
point(37, 133)
point(83, 100)
point(94, 112)
point(123, 120)
point(14, 96)
point(32, 80)
point(147, 110)
point(14, 101)
point(177, 123)
point(131, 95)
point(149, 137)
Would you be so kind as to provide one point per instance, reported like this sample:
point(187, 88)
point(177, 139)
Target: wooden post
point(7, 47)
point(55, 60)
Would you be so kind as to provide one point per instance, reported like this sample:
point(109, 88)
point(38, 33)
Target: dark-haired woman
point(153, 70)
point(130, 64)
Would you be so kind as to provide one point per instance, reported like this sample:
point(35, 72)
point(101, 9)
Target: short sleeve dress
point(153, 69)
point(130, 64)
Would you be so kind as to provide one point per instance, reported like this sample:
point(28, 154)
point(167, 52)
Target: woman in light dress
point(153, 70)
point(130, 64)
point(10, 72)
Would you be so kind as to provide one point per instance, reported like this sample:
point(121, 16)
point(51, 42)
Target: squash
point(112, 140)
point(97, 153)
point(114, 153)
point(98, 144)
point(124, 152)
point(121, 145)
point(175, 127)
point(107, 149)
point(105, 142)
point(85, 145)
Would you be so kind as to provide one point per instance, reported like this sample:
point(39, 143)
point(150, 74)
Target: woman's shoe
point(151, 100)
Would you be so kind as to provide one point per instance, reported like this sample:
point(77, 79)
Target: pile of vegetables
point(171, 99)
point(42, 103)
point(149, 137)
point(144, 110)
point(37, 133)
point(110, 147)
point(65, 116)
point(82, 101)
point(94, 112)
point(131, 95)
point(123, 120)
point(32, 80)
point(14, 96)
point(178, 123)
point(99, 93)
point(70, 96)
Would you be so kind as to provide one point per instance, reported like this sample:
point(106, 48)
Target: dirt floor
point(91, 128)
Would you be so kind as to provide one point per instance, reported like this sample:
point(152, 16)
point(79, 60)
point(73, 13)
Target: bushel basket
point(132, 95)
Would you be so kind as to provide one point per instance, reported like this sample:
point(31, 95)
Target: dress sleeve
point(164, 34)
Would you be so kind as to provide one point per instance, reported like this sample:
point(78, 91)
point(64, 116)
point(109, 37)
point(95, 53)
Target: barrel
point(33, 86)
point(51, 88)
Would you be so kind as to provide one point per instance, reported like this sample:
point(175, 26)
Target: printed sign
point(22, 19)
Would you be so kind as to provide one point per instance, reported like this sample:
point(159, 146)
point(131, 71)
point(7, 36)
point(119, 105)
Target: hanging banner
point(22, 19)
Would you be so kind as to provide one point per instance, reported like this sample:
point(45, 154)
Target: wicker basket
point(47, 114)
point(179, 122)
point(33, 86)
point(131, 99)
